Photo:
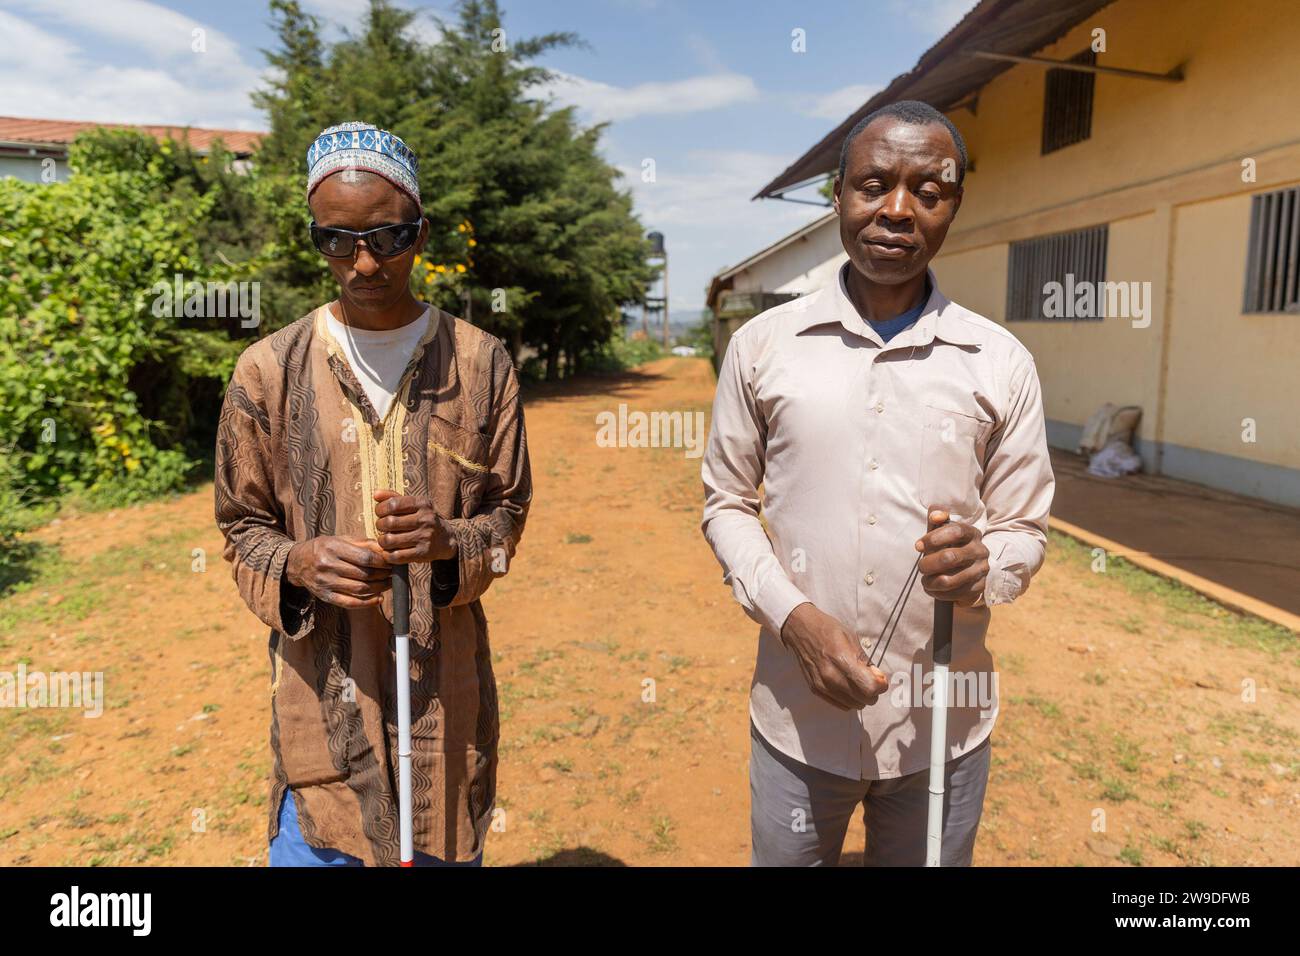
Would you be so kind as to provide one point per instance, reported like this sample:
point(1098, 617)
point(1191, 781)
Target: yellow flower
point(417, 260)
point(459, 267)
point(428, 279)
point(473, 243)
point(440, 268)
point(132, 464)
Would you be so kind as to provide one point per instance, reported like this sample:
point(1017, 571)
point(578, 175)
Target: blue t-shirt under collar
point(899, 323)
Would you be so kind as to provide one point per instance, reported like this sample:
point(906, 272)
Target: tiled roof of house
point(14, 129)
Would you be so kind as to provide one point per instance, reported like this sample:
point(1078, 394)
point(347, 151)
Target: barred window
point(1067, 104)
point(1046, 276)
point(1273, 254)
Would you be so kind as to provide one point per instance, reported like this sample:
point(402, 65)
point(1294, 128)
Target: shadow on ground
point(593, 383)
point(577, 856)
point(19, 562)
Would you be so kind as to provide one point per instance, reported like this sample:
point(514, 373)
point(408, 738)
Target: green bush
point(97, 379)
point(622, 352)
point(109, 398)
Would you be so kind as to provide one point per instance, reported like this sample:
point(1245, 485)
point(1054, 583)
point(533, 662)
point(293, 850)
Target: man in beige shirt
point(861, 410)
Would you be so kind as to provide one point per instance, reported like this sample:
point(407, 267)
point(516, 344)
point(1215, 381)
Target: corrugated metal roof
point(45, 132)
point(943, 77)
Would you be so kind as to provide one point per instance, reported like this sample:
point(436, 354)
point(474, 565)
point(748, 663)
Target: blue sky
point(712, 92)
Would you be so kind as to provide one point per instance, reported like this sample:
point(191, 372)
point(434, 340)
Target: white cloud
point(838, 104)
point(340, 14)
point(701, 203)
point(151, 28)
point(934, 17)
point(602, 101)
point(706, 54)
point(49, 75)
point(425, 29)
point(27, 47)
point(347, 12)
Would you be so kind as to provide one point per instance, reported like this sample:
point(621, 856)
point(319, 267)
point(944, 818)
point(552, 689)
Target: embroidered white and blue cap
point(363, 146)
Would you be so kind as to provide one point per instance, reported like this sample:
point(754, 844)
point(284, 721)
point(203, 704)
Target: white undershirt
point(378, 358)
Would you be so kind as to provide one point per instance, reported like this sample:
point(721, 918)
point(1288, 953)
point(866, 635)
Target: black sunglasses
point(383, 241)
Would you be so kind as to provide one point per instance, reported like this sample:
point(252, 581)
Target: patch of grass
point(1040, 704)
point(1133, 624)
point(1190, 608)
point(1011, 662)
point(1116, 791)
point(1167, 845)
point(1128, 754)
point(1131, 855)
point(662, 839)
point(572, 538)
point(84, 587)
point(1087, 770)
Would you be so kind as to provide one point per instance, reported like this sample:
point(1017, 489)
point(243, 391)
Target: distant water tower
point(658, 253)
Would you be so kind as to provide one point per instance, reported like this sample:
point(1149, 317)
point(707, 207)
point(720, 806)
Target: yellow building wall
point(1239, 94)
point(1081, 364)
point(1163, 167)
point(1226, 366)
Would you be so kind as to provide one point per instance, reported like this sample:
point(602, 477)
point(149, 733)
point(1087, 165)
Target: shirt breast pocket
point(458, 467)
point(951, 466)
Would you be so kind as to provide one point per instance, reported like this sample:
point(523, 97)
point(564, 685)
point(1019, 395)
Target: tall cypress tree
point(517, 194)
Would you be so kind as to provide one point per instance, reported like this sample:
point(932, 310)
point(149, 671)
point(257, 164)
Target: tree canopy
point(106, 387)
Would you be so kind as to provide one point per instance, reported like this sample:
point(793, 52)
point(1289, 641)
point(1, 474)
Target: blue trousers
point(289, 848)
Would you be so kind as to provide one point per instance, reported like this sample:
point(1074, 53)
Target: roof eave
point(801, 171)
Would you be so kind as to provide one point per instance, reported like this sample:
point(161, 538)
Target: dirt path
point(1122, 697)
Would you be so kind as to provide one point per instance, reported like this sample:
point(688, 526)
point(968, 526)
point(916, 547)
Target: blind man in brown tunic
point(375, 431)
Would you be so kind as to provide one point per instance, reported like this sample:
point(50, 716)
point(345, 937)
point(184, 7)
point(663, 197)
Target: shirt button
point(871, 519)
point(874, 464)
point(870, 578)
point(880, 408)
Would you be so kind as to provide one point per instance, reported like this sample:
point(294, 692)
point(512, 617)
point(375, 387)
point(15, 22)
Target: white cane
point(402, 645)
point(938, 731)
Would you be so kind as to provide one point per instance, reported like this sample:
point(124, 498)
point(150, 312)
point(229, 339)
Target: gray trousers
point(799, 815)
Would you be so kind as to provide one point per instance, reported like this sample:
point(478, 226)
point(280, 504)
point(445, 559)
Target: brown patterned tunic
point(300, 451)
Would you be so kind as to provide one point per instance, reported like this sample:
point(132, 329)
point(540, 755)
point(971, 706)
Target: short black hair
point(908, 111)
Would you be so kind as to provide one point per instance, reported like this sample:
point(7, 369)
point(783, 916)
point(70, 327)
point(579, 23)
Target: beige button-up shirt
point(852, 440)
